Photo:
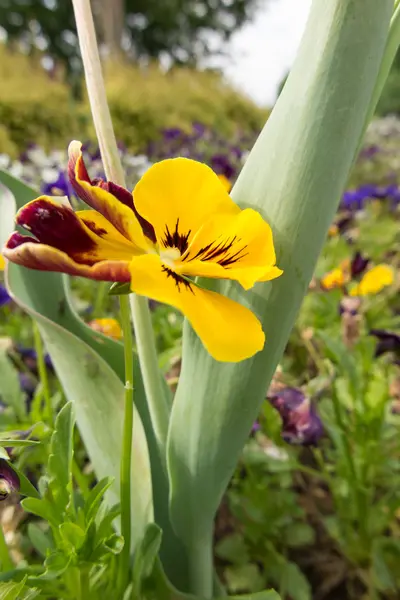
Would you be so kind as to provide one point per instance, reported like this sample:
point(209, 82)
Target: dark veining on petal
point(221, 252)
point(176, 239)
point(178, 279)
point(95, 228)
point(56, 226)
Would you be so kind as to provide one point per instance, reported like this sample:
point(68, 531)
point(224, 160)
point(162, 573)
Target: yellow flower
point(2, 262)
point(338, 277)
point(109, 327)
point(179, 223)
point(333, 230)
point(374, 281)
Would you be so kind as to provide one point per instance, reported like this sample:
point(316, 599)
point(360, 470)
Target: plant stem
point(126, 456)
point(158, 407)
point(96, 91)
point(43, 373)
point(101, 294)
point(5, 558)
point(156, 396)
point(201, 571)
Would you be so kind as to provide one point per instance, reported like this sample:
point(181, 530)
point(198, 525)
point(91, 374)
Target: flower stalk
point(126, 455)
point(114, 172)
point(43, 373)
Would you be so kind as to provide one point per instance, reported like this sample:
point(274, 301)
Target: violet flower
point(9, 480)
point(300, 421)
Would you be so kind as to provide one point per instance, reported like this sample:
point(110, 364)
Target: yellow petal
point(228, 330)
point(2, 263)
point(374, 281)
point(117, 210)
point(334, 279)
point(236, 247)
point(109, 327)
point(180, 195)
point(225, 182)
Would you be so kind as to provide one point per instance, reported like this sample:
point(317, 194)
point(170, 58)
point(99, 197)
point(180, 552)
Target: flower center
point(169, 256)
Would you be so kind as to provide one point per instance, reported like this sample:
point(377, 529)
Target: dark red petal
point(55, 225)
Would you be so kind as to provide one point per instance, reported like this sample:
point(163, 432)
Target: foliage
point(178, 30)
point(143, 101)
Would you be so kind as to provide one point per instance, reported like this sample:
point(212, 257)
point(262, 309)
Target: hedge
point(37, 108)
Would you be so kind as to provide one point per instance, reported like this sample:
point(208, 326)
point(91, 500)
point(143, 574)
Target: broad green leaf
point(294, 177)
point(156, 586)
point(95, 388)
point(59, 467)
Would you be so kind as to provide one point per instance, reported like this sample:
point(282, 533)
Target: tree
point(183, 30)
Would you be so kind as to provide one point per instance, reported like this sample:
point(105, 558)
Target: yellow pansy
point(107, 326)
point(374, 281)
point(179, 223)
point(338, 277)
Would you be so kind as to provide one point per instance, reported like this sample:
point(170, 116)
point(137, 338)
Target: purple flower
point(29, 357)
point(5, 298)
point(222, 166)
point(300, 421)
point(358, 264)
point(9, 480)
point(388, 341)
point(370, 151)
point(27, 385)
point(59, 187)
point(172, 133)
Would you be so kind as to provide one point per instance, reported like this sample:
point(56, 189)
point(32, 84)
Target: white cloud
point(263, 51)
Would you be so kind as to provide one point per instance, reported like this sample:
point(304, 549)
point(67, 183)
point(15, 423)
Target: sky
point(262, 52)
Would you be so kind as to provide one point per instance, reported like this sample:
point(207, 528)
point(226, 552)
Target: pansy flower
point(374, 281)
point(179, 223)
point(107, 326)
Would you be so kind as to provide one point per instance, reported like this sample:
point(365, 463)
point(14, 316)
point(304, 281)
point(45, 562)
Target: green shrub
point(143, 101)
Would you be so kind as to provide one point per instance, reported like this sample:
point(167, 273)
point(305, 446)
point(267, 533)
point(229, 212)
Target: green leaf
point(294, 582)
point(95, 497)
point(41, 508)
point(73, 536)
point(59, 466)
point(119, 289)
point(26, 488)
point(233, 549)
point(145, 556)
point(244, 577)
point(41, 541)
point(10, 391)
point(56, 564)
point(10, 443)
point(294, 177)
point(11, 591)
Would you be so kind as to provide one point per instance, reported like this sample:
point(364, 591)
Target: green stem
point(5, 558)
point(152, 381)
point(43, 373)
point(201, 570)
point(102, 290)
point(126, 456)
point(114, 172)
